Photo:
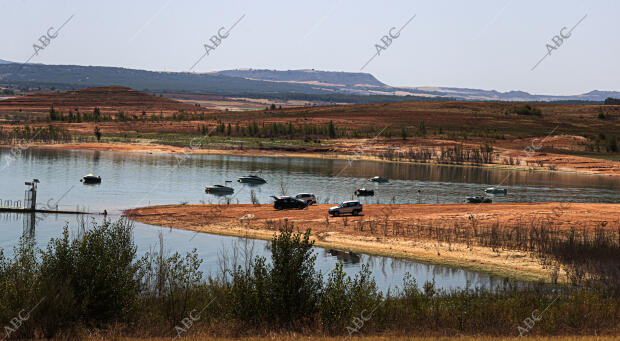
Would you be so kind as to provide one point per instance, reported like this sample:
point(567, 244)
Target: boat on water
point(363, 192)
point(478, 200)
point(379, 179)
point(495, 190)
point(91, 179)
point(219, 190)
point(251, 179)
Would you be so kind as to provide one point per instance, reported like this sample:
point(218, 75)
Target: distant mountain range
point(341, 79)
point(4, 61)
point(292, 84)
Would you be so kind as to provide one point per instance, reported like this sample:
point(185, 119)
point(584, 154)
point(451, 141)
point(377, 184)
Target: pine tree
point(332, 130)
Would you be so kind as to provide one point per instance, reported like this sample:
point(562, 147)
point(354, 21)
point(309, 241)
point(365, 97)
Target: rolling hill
point(337, 87)
point(110, 99)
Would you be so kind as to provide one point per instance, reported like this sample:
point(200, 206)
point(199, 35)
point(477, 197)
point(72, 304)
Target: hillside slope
point(342, 79)
point(108, 99)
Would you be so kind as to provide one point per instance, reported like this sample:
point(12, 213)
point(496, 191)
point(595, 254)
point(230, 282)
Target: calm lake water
point(133, 180)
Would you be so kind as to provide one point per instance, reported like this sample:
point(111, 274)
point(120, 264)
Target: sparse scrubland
point(543, 136)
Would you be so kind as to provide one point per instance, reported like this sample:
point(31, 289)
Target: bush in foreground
point(96, 284)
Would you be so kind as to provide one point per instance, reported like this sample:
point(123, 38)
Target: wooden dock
point(29, 210)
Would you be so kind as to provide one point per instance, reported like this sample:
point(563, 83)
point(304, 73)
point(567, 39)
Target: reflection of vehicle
point(379, 179)
point(252, 179)
point(479, 200)
point(353, 207)
point(363, 192)
point(495, 190)
point(308, 198)
point(220, 189)
point(285, 203)
point(91, 179)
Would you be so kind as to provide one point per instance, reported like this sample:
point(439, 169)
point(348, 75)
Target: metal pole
point(33, 206)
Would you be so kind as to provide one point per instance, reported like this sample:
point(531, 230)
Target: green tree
point(422, 129)
point(52, 114)
point(94, 278)
point(294, 283)
point(331, 129)
point(612, 145)
point(96, 114)
point(98, 133)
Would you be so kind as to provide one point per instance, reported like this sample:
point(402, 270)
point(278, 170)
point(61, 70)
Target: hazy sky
point(475, 44)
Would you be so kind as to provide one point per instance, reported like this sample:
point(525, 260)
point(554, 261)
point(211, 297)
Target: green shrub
point(96, 275)
point(527, 110)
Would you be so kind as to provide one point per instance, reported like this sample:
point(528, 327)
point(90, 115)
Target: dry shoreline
point(570, 164)
point(259, 222)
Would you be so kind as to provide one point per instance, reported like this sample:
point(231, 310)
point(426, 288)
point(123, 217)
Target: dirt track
point(344, 232)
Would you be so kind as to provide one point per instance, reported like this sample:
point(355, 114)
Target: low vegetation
point(525, 110)
point(95, 284)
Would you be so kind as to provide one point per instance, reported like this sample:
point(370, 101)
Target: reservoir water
point(142, 179)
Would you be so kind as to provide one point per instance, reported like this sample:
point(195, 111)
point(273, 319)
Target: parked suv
point(308, 198)
point(285, 203)
point(354, 207)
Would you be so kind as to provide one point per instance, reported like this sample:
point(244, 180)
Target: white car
point(308, 198)
point(353, 207)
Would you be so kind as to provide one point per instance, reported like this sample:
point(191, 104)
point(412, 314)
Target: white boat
point(379, 179)
point(252, 179)
point(91, 179)
point(495, 190)
point(219, 189)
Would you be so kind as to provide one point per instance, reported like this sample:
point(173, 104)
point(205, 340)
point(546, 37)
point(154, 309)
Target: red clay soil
point(109, 99)
point(390, 230)
point(563, 215)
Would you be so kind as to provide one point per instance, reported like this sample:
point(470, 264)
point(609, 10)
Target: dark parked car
point(287, 203)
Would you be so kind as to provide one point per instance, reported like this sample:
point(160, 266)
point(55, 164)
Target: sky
point(481, 44)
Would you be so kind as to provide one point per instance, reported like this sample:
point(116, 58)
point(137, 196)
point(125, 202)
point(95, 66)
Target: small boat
point(219, 189)
point(495, 190)
point(379, 179)
point(478, 200)
point(252, 179)
point(91, 179)
point(363, 192)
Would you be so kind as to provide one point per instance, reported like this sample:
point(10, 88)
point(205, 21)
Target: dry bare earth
point(382, 229)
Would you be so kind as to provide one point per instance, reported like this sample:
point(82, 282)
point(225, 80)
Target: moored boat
point(91, 179)
point(252, 179)
point(495, 190)
point(219, 190)
point(478, 200)
point(363, 192)
point(379, 179)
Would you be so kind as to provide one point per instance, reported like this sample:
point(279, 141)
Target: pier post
point(32, 196)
